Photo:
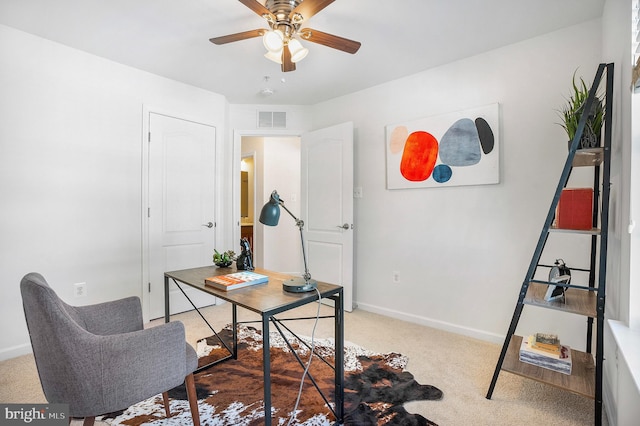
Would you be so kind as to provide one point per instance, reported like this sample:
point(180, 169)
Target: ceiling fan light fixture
point(282, 38)
point(274, 56)
point(273, 40)
point(297, 50)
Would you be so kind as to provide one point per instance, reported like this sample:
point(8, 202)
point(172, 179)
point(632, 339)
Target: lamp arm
point(307, 275)
point(299, 222)
point(300, 225)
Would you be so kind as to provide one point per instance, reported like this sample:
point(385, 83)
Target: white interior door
point(327, 205)
point(181, 223)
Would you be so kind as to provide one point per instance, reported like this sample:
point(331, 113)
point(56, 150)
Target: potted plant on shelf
point(572, 112)
point(225, 259)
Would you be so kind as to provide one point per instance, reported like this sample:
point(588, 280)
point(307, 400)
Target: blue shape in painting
point(460, 145)
point(442, 173)
point(486, 135)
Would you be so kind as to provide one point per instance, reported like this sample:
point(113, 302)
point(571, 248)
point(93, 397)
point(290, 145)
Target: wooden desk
point(267, 300)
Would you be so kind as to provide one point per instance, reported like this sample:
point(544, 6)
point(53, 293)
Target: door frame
point(147, 110)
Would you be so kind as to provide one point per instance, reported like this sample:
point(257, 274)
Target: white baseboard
point(15, 351)
point(430, 322)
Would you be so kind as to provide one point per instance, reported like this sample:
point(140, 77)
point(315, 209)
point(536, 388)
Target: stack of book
point(545, 350)
point(236, 280)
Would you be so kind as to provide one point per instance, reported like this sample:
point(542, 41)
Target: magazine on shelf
point(236, 280)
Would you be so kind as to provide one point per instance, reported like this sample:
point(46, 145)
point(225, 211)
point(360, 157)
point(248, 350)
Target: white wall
point(70, 171)
point(462, 252)
point(621, 391)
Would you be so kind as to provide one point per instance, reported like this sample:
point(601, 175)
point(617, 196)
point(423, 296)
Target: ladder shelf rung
point(581, 302)
point(592, 231)
point(576, 286)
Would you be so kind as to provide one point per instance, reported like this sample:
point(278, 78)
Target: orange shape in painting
point(397, 139)
point(419, 156)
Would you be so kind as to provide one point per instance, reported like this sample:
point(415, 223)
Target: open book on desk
point(236, 280)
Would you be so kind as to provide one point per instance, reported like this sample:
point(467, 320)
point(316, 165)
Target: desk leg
point(266, 369)
point(235, 331)
point(166, 299)
point(339, 356)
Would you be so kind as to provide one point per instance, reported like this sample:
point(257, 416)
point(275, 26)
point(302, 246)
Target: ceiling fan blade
point(330, 40)
point(308, 8)
point(258, 8)
point(287, 64)
point(237, 36)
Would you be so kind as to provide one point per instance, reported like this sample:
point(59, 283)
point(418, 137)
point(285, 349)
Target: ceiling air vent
point(272, 120)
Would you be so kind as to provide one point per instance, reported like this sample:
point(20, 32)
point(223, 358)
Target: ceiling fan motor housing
point(281, 8)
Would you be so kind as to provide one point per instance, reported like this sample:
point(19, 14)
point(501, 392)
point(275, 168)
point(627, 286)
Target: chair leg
point(89, 421)
point(165, 400)
point(190, 384)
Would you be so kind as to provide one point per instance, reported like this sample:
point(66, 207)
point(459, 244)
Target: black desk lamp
point(270, 215)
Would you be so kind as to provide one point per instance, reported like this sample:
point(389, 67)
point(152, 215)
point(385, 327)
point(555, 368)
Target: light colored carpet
point(460, 366)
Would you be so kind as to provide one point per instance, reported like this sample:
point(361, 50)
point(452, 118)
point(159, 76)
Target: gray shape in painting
point(460, 145)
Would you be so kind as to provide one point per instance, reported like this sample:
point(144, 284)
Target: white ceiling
point(399, 37)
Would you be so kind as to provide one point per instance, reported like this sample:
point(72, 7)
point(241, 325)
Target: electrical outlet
point(357, 192)
point(80, 289)
point(396, 277)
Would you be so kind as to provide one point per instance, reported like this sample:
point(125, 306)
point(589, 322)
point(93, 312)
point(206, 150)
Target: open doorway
point(272, 163)
point(326, 156)
point(247, 199)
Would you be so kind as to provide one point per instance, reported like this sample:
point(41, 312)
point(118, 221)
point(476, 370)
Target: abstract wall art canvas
point(453, 149)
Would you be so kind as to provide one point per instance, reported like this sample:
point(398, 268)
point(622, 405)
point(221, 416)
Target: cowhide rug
point(230, 393)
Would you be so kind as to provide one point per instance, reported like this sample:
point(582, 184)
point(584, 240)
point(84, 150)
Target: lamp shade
point(273, 40)
point(298, 52)
point(270, 214)
point(274, 56)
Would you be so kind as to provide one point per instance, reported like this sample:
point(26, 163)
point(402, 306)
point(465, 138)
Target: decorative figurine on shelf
point(558, 275)
point(244, 262)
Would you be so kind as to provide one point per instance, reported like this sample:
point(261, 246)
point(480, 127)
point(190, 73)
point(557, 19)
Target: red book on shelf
point(575, 209)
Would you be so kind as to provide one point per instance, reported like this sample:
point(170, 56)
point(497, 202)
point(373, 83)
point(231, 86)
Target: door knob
point(345, 226)
point(208, 224)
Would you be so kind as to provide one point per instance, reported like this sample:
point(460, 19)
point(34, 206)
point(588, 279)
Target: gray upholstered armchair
point(98, 358)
